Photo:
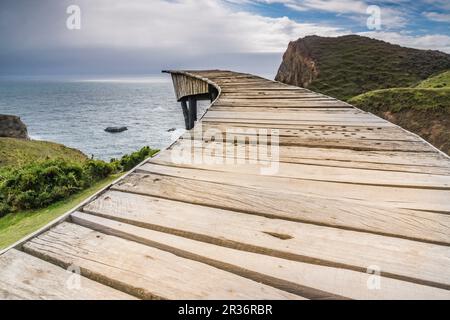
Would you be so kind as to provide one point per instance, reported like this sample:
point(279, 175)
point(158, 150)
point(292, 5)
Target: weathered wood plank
point(143, 271)
point(213, 152)
point(329, 110)
point(350, 214)
point(197, 151)
point(284, 104)
point(276, 123)
point(396, 258)
point(308, 280)
point(426, 159)
point(24, 277)
point(290, 116)
point(186, 86)
point(346, 175)
point(318, 140)
point(204, 170)
point(338, 132)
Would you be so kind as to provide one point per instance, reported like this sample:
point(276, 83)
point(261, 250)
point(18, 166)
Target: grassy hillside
point(424, 109)
point(347, 66)
point(19, 152)
point(440, 81)
point(400, 99)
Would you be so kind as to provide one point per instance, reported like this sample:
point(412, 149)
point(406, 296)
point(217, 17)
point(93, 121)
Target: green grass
point(17, 152)
point(398, 99)
point(442, 80)
point(424, 110)
point(15, 226)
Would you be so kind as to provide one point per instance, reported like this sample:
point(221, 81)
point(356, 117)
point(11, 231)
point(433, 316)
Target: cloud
point(134, 35)
point(439, 17)
point(355, 10)
point(186, 27)
point(431, 41)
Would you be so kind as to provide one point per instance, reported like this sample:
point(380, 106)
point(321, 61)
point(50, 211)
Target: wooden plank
point(352, 116)
point(282, 113)
point(276, 97)
point(308, 280)
point(425, 159)
point(284, 104)
point(204, 170)
point(276, 123)
point(401, 259)
point(238, 102)
point(346, 175)
point(294, 206)
point(24, 277)
point(318, 140)
point(357, 213)
point(195, 151)
point(254, 86)
point(281, 109)
point(143, 271)
point(186, 86)
point(309, 132)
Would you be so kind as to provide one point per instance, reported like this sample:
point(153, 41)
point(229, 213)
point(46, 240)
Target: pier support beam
point(189, 111)
point(192, 111)
point(185, 113)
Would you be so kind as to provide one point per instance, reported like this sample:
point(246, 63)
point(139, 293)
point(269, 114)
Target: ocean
point(76, 112)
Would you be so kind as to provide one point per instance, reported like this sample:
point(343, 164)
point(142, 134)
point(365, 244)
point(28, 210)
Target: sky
point(142, 37)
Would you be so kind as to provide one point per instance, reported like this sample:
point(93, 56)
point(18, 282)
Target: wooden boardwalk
point(335, 203)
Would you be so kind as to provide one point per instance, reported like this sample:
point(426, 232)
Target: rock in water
point(116, 129)
point(12, 127)
point(172, 130)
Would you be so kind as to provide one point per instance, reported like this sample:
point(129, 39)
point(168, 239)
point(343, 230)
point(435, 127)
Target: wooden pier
point(276, 192)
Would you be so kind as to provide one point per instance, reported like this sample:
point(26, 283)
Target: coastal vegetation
point(15, 226)
point(423, 109)
point(39, 184)
point(41, 180)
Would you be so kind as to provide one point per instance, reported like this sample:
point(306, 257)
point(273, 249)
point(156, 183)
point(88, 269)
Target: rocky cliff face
point(344, 67)
point(12, 127)
point(298, 66)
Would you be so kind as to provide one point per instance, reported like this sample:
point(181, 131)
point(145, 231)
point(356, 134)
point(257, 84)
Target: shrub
point(128, 162)
point(97, 169)
point(40, 184)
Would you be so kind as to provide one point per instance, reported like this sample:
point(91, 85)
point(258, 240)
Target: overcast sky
point(131, 37)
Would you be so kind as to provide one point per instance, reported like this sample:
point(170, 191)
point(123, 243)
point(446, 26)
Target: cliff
point(344, 67)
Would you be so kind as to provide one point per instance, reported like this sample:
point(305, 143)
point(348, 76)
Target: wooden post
point(192, 112)
point(185, 113)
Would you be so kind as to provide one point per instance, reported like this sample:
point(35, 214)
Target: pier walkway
point(276, 192)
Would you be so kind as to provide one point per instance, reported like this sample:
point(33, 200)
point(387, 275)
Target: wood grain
point(308, 280)
point(24, 277)
point(143, 271)
point(407, 260)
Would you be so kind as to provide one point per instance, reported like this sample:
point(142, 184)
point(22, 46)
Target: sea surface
point(76, 112)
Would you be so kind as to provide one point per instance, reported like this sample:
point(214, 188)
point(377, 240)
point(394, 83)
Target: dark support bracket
point(189, 112)
point(212, 93)
point(185, 113)
point(192, 111)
